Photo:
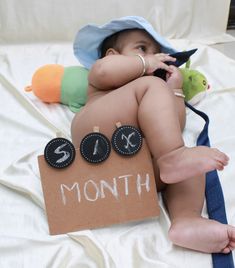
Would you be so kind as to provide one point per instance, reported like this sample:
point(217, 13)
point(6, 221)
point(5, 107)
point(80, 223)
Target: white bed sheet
point(45, 21)
point(27, 125)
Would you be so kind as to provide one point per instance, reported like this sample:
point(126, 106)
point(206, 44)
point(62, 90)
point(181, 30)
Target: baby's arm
point(114, 71)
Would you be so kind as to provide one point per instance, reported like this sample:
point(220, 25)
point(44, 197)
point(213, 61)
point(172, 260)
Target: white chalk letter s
point(58, 151)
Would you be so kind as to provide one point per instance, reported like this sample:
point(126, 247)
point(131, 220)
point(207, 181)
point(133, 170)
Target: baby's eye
point(142, 48)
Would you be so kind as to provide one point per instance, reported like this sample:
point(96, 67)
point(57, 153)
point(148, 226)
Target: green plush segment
point(194, 82)
point(74, 87)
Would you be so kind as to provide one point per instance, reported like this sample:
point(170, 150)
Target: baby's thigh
point(119, 105)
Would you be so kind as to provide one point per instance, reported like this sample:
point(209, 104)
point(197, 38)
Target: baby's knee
point(152, 85)
point(152, 81)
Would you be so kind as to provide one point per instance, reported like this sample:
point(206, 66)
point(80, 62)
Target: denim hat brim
point(89, 38)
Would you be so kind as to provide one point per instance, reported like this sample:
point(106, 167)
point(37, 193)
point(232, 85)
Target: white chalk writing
point(128, 142)
point(113, 189)
point(58, 151)
point(93, 190)
point(75, 185)
point(86, 191)
point(139, 184)
point(96, 147)
point(125, 177)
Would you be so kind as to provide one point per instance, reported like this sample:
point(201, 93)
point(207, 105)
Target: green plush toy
point(54, 83)
point(194, 82)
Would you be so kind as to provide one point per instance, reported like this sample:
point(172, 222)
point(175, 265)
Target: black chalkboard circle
point(95, 147)
point(127, 140)
point(59, 153)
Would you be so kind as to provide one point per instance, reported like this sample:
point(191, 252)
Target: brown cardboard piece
point(86, 196)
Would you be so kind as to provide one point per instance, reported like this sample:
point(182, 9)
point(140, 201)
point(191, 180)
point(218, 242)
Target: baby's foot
point(186, 162)
point(203, 235)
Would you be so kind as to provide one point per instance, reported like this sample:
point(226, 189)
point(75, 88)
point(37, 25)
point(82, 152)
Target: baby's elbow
point(98, 75)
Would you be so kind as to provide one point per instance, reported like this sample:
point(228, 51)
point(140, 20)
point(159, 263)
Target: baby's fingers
point(164, 66)
point(164, 57)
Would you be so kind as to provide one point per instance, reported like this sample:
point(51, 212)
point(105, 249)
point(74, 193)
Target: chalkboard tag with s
point(59, 153)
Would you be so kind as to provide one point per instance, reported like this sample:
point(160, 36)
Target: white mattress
point(27, 125)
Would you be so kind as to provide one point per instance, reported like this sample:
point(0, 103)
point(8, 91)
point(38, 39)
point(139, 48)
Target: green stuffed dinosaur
point(54, 83)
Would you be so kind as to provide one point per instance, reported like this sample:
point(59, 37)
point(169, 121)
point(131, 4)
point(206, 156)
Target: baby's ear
point(111, 51)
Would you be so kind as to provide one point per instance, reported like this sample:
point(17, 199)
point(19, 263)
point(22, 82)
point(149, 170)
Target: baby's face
point(137, 42)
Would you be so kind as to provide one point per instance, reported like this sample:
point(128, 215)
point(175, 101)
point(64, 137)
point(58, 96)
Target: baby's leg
point(181, 159)
point(149, 104)
point(184, 201)
point(184, 163)
point(144, 103)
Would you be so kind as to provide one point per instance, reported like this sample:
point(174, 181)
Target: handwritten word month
point(92, 190)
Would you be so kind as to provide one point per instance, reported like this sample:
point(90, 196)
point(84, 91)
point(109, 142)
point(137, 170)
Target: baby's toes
point(221, 157)
point(226, 250)
point(219, 166)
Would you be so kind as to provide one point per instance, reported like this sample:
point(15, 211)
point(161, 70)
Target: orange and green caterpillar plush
point(54, 83)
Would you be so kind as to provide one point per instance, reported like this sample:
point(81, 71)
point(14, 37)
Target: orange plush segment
point(46, 82)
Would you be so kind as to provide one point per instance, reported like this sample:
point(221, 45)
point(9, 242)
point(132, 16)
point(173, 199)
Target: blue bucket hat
point(89, 38)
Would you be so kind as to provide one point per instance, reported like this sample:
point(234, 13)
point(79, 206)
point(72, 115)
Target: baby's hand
point(157, 61)
point(174, 78)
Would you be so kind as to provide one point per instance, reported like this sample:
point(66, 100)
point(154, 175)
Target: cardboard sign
point(85, 195)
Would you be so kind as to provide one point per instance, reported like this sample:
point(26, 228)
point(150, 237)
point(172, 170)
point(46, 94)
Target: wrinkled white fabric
point(27, 125)
point(43, 21)
point(205, 21)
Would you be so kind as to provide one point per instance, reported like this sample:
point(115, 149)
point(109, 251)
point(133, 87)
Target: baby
point(122, 57)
